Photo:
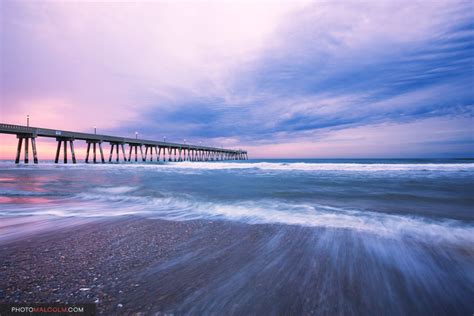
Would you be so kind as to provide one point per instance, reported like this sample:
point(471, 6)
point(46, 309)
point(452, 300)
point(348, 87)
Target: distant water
point(410, 223)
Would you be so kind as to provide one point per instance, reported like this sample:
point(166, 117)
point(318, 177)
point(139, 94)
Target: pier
point(161, 150)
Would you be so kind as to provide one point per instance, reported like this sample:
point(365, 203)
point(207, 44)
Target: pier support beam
point(94, 144)
point(141, 153)
point(150, 148)
point(115, 147)
point(158, 153)
point(63, 143)
point(73, 154)
point(146, 153)
point(163, 150)
point(134, 147)
point(27, 138)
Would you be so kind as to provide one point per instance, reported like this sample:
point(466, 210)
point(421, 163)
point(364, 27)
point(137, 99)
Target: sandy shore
point(137, 266)
point(113, 263)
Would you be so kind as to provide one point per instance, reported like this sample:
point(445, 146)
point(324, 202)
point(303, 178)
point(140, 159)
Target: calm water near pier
point(346, 235)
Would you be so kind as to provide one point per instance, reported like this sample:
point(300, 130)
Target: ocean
point(334, 236)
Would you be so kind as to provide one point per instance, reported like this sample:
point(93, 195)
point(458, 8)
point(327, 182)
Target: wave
point(182, 207)
point(276, 166)
point(117, 190)
point(304, 166)
point(18, 193)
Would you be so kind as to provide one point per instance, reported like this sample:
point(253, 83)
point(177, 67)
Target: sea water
point(371, 235)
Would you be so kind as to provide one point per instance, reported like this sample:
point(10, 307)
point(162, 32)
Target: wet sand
point(143, 266)
point(104, 262)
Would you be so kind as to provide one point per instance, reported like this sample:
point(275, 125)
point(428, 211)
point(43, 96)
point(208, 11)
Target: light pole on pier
point(95, 130)
point(136, 135)
point(164, 139)
point(27, 120)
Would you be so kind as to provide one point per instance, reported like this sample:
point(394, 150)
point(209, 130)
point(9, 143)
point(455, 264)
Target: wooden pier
point(163, 151)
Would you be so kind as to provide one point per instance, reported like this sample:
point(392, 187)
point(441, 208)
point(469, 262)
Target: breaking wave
point(277, 166)
point(181, 207)
point(303, 166)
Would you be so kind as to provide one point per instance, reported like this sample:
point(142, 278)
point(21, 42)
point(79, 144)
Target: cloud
point(432, 137)
point(240, 73)
point(344, 70)
point(120, 56)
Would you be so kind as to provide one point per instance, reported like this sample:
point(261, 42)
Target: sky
point(281, 79)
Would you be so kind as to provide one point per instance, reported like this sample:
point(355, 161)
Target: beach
point(141, 266)
point(95, 262)
point(236, 158)
point(177, 239)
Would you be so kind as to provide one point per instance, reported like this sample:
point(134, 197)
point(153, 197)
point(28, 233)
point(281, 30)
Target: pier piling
point(149, 148)
point(26, 138)
point(63, 143)
point(114, 147)
point(134, 148)
point(94, 144)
